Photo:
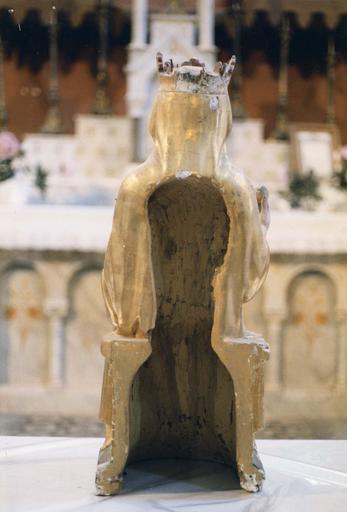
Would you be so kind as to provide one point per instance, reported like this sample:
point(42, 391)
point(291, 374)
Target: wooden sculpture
point(182, 376)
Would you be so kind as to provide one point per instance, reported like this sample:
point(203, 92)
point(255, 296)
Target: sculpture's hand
point(263, 205)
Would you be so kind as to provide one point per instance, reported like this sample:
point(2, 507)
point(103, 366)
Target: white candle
point(139, 23)
point(206, 23)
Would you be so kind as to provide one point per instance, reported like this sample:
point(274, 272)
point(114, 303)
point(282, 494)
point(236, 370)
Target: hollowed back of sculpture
point(182, 401)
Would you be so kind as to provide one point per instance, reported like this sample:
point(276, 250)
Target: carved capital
point(56, 307)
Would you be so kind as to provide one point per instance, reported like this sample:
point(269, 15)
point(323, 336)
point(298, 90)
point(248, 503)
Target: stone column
point(274, 321)
point(139, 23)
point(341, 372)
point(236, 102)
point(206, 24)
point(56, 311)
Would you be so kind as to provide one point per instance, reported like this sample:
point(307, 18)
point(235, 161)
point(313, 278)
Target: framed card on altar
point(314, 147)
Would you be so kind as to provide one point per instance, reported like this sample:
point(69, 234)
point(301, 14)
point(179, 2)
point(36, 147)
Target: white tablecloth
point(57, 475)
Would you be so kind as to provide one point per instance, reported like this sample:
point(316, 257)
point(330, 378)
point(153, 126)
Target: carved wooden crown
point(192, 77)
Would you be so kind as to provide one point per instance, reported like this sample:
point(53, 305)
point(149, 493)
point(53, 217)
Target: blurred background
point(77, 80)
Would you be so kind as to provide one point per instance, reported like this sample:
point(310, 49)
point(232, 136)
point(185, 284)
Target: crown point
point(192, 76)
point(217, 68)
point(229, 67)
point(159, 59)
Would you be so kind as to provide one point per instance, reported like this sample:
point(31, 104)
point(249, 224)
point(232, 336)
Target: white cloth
point(57, 475)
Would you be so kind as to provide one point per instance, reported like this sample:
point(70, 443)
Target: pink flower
point(344, 152)
point(9, 145)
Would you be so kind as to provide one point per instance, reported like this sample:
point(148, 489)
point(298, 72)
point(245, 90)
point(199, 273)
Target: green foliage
point(303, 188)
point(6, 171)
point(41, 179)
point(340, 178)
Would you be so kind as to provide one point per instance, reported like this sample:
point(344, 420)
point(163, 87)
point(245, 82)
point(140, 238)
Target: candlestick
point(53, 123)
point(102, 105)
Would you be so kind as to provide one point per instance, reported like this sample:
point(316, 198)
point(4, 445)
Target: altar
point(52, 246)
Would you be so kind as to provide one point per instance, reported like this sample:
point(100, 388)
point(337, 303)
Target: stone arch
point(309, 337)
point(86, 324)
point(320, 268)
point(304, 268)
point(23, 326)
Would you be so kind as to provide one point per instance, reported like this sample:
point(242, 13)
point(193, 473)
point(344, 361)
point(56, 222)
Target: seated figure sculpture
point(183, 378)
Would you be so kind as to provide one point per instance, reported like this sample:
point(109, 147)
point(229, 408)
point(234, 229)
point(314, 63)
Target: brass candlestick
point(102, 103)
point(53, 123)
point(331, 116)
point(281, 129)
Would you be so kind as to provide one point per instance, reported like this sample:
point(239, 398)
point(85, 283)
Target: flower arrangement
point(340, 177)
point(10, 150)
point(303, 190)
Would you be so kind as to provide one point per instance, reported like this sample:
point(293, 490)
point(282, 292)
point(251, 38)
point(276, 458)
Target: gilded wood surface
point(182, 376)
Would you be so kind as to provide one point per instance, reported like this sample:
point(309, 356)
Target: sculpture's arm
point(106, 287)
point(262, 195)
point(259, 249)
point(126, 279)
